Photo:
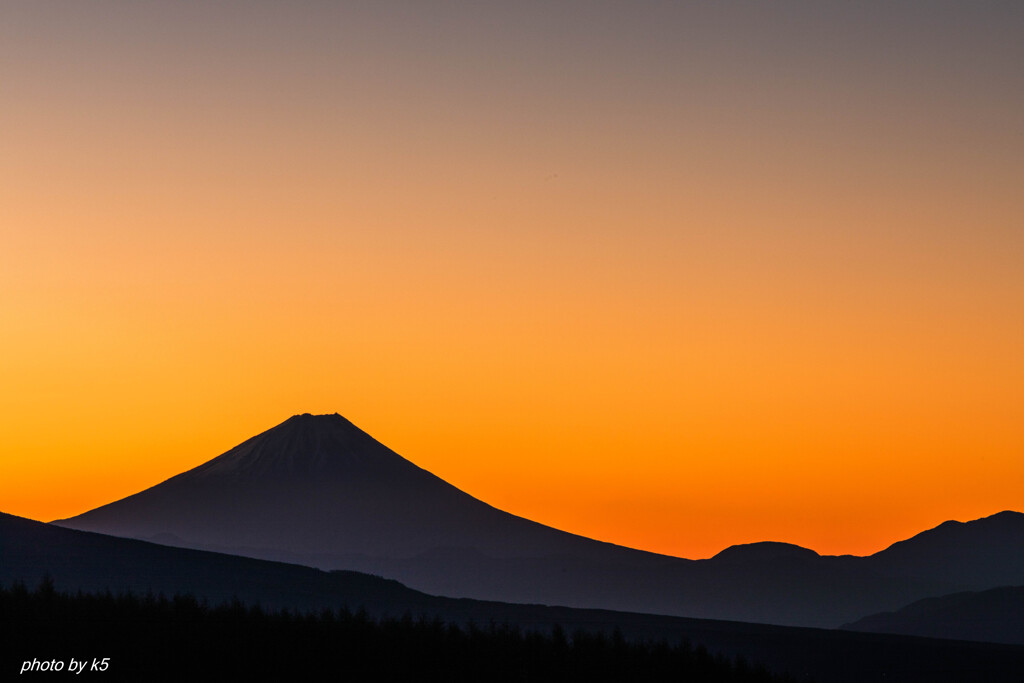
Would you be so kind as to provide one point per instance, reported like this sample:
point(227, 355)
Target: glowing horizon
point(670, 276)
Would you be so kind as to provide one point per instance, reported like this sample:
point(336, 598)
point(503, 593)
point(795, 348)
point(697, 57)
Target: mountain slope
point(318, 485)
point(92, 562)
point(983, 553)
point(994, 616)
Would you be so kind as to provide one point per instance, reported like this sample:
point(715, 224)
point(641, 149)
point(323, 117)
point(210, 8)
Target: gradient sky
point(673, 275)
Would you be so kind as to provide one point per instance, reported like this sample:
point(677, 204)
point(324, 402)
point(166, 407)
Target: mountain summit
point(303, 447)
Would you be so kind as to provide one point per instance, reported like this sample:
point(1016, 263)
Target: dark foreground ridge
point(97, 563)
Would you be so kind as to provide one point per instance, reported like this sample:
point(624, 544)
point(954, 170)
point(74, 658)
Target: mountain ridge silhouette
point(317, 490)
point(96, 563)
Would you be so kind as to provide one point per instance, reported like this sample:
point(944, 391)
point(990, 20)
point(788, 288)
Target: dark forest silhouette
point(182, 638)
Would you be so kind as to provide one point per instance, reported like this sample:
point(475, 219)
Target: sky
point(674, 275)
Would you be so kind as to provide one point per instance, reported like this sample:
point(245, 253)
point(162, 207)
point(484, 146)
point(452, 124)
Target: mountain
point(975, 555)
point(93, 562)
point(994, 616)
point(319, 486)
point(316, 490)
point(765, 551)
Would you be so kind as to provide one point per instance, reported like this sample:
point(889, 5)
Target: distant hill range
point(92, 562)
point(995, 616)
point(318, 491)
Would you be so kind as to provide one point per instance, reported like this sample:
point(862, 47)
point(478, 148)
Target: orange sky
point(671, 277)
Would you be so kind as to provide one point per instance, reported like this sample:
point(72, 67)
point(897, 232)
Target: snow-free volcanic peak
point(318, 486)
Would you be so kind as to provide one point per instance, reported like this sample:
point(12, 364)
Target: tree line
point(156, 637)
